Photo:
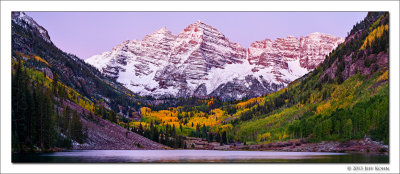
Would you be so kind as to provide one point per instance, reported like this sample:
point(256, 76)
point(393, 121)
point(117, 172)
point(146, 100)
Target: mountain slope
point(71, 70)
point(344, 99)
point(27, 22)
point(60, 101)
point(200, 61)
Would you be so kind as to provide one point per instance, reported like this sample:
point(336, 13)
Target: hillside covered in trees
point(58, 101)
point(344, 98)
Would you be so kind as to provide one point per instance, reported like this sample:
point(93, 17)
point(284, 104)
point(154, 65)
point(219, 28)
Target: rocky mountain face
point(200, 61)
point(28, 23)
point(29, 39)
point(81, 88)
point(368, 59)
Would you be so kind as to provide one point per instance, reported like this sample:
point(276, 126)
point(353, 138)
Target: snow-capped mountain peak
point(159, 35)
point(163, 30)
point(201, 61)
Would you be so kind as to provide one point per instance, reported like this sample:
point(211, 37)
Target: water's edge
point(196, 156)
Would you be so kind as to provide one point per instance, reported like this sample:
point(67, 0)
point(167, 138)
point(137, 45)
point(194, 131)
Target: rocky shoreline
point(365, 145)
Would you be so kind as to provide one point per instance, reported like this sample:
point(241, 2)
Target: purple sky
point(88, 33)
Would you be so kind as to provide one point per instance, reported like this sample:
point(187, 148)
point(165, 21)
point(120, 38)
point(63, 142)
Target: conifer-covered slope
point(345, 98)
point(27, 42)
point(59, 101)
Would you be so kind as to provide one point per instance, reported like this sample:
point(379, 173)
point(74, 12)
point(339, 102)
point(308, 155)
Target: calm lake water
point(204, 156)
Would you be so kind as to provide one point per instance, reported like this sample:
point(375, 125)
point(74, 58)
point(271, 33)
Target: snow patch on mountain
point(99, 61)
point(297, 69)
point(201, 61)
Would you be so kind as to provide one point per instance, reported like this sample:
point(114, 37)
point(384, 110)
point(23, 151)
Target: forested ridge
point(344, 98)
point(54, 93)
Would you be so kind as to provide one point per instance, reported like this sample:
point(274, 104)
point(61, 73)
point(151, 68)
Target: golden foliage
point(376, 33)
point(384, 76)
point(136, 124)
point(243, 104)
point(162, 116)
point(210, 121)
point(32, 56)
point(321, 108)
point(37, 58)
point(144, 110)
point(284, 136)
point(226, 127)
point(210, 102)
point(216, 114)
point(264, 137)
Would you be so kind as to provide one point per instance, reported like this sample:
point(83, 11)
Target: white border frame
point(8, 6)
